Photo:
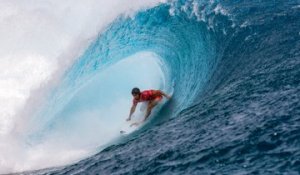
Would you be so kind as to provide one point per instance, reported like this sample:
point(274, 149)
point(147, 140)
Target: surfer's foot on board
point(135, 124)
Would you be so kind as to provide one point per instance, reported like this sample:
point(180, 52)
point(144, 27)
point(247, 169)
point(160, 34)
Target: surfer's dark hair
point(135, 91)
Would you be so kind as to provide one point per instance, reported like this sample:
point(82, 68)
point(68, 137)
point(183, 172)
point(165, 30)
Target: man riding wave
point(153, 97)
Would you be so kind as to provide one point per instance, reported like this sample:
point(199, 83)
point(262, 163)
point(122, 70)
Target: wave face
point(234, 71)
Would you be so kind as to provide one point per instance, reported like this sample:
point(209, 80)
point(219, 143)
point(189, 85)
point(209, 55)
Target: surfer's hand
point(128, 119)
point(168, 96)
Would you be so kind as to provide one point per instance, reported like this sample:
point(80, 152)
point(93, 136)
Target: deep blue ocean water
point(236, 102)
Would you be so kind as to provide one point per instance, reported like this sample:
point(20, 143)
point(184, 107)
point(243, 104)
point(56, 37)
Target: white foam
point(39, 41)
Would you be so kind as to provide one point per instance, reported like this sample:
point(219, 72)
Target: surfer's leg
point(150, 106)
point(153, 103)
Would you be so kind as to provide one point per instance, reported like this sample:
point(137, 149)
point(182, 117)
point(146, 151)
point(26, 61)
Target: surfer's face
point(136, 96)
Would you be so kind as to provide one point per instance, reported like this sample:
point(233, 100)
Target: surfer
point(153, 97)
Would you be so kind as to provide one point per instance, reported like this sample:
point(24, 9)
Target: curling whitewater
point(235, 108)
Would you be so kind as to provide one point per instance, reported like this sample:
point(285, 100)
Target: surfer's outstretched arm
point(131, 111)
point(165, 95)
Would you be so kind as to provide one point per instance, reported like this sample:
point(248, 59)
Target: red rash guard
point(148, 95)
